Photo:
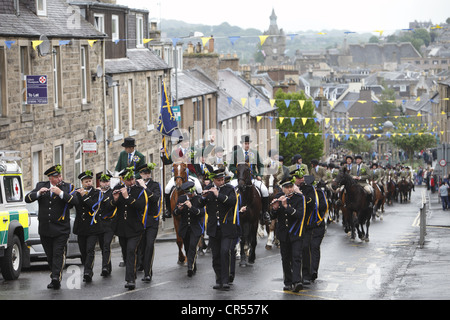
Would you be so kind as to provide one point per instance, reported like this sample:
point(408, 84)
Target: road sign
point(442, 162)
point(36, 89)
point(89, 146)
point(177, 112)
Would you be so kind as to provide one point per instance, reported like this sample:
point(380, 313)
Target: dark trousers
point(291, 260)
point(105, 240)
point(87, 250)
point(311, 250)
point(129, 252)
point(190, 242)
point(222, 249)
point(148, 249)
point(55, 250)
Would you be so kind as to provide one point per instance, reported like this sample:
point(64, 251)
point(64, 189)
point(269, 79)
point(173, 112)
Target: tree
point(384, 107)
point(296, 137)
point(358, 145)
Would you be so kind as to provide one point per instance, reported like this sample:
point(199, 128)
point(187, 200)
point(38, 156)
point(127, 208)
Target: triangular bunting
point(262, 39)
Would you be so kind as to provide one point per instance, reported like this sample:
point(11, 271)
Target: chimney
point(211, 45)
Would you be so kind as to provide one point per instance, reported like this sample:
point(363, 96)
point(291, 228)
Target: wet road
point(348, 270)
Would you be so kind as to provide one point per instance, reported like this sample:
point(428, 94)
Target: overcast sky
point(301, 15)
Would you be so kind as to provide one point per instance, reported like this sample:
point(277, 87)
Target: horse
point(357, 204)
point(378, 200)
point(271, 225)
point(403, 189)
point(248, 197)
point(391, 191)
point(327, 195)
point(180, 176)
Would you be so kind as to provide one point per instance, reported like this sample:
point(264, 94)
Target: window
point(13, 188)
point(84, 75)
point(41, 7)
point(139, 31)
point(114, 27)
point(78, 165)
point(36, 167)
point(148, 89)
point(159, 91)
point(99, 22)
point(116, 108)
point(56, 57)
point(24, 70)
point(168, 56)
point(3, 100)
point(58, 155)
point(130, 106)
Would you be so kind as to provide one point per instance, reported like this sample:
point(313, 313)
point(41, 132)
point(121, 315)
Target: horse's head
point(243, 175)
point(179, 173)
point(342, 178)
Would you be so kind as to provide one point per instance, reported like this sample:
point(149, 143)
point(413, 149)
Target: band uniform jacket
point(53, 215)
point(153, 191)
point(291, 219)
point(221, 211)
point(192, 218)
point(106, 210)
point(316, 205)
point(131, 212)
point(86, 219)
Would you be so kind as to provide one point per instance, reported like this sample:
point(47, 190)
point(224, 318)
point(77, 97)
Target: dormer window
point(41, 7)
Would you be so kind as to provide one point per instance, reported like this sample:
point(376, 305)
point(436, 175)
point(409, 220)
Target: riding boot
point(370, 200)
point(265, 210)
point(167, 213)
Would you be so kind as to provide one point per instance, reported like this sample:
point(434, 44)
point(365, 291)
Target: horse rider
point(272, 167)
point(378, 176)
point(151, 224)
point(218, 160)
point(220, 202)
point(251, 157)
point(202, 168)
point(288, 207)
point(297, 163)
point(86, 225)
point(192, 223)
point(317, 171)
point(361, 173)
point(131, 202)
point(55, 197)
point(106, 213)
point(129, 157)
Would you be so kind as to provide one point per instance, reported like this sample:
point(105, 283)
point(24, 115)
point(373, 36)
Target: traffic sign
point(177, 112)
point(89, 146)
point(442, 162)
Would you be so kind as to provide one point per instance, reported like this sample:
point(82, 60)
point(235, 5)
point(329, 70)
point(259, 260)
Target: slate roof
point(377, 54)
point(57, 23)
point(189, 86)
point(136, 60)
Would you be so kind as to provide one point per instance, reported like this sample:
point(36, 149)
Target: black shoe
point(55, 284)
point(105, 272)
point(190, 272)
point(306, 282)
point(147, 278)
point(314, 276)
point(226, 287)
point(130, 285)
point(87, 278)
point(297, 287)
point(287, 287)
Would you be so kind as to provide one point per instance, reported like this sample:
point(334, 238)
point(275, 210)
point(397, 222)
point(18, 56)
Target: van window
point(13, 188)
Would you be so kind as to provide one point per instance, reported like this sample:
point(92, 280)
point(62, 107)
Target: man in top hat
point(130, 200)
point(361, 173)
point(192, 223)
point(288, 207)
point(251, 156)
point(87, 225)
point(220, 202)
point(55, 198)
point(106, 214)
point(130, 157)
point(151, 224)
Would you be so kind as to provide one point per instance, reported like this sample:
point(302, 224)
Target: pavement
point(427, 271)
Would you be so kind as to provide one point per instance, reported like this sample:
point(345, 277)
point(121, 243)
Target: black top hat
point(85, 174)
point(53, 171)
point(187, 186)
point(129, 142)
point(246, 138)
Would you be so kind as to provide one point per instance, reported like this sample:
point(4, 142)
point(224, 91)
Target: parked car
point(34, 241)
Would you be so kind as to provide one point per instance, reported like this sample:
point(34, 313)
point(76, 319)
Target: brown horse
point(378, 200)
point(248, 197)
point(270, 225)
point(180, 176)
point(357, 203)
point(391, 191)
point(403, 190)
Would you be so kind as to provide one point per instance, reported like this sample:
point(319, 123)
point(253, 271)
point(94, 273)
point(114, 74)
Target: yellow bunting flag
point(205, 40)
point(272, 102)
point(281, 119)
point(327, 120)
point(351, 119)
point(147, 40)
point(418, 114)
point(243, 100)
point(35, 43)
point(304, 120)
point(258, 118)
point(362, 101)
point(302, 103)
point(262, 39)
point(91, 42)
point(331, 103)
point(418, 99)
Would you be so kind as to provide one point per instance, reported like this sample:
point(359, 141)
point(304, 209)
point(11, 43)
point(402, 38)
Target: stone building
point(275, 44)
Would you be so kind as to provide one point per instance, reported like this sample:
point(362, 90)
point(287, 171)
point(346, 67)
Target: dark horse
point(249, 198)
point(403, 190)
point(378, 200)
point(180, 176)
point(357, 204)
point(391, 191)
